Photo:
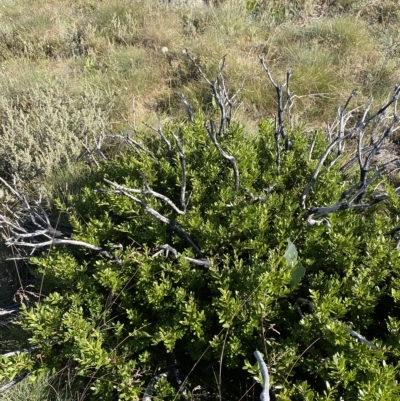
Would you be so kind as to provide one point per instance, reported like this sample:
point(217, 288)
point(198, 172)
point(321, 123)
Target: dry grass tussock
point(118, 45)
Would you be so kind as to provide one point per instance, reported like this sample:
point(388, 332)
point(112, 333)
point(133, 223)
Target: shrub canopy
point(243, 271)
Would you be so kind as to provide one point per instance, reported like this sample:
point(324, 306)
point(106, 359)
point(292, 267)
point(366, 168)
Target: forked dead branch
point(226, 106)
point(282, 105)
point(172, 224)
point(28, 228)
point(371, 132)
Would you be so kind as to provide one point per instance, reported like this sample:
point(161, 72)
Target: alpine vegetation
point(198, 243)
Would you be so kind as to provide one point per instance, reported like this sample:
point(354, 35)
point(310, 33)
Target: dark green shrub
point(121, 317)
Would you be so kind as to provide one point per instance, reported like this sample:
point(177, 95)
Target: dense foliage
point(117, 322)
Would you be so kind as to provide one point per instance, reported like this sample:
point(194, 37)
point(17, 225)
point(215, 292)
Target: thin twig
point(134, 144)
point(212, 132)
point(312, 145)
point(187, 106)
point(169, 250)
point(319, 166)
point(164, 138)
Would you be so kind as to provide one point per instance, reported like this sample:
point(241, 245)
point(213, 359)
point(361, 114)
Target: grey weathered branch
point(132, 143)
point(169, 250)
point(187, 106)
point(182, 159)
point(343, 116)
point(56, 241)
point(312, 222)
point(319, 167)
point(31, 228)
point(280, 130)
point(324, 210)
point(264, 396)
point(173, 375)
point(224, 102)
point(355, 159)
point(22, 351)
point(394, 99)
point(212, 132)
point(353, 333)
point(9, 310)
point(93, 147)
point(147, 191)
point(171, 223)
point(90, 153)
point(260, 198)
point(367, 149)
point(310, 152)
point(96, 152)
point(148, 393)
point(14, 382)
point(360, 338)
point(98, 141)
point(347, 198)
point(160, 132)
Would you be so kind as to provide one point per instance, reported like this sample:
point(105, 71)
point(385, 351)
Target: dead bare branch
point(280, 130)
point(382, 128)
point(173, 374)
point(14, 382)
point(310, 152)
point(169, 250)
point(264, 396)
point(180, 145)
point(343, 117)
point(319, 166)
point(9, 310)
point(224, 102)
point(22, 351)
point(212, 132)
point(148, 394)
point(172, 224)
point(147, 191)
point(31, 228)
point(132, 143)
point(260, 198)
point(160, 132)
point(353, 333)
point(187, 106)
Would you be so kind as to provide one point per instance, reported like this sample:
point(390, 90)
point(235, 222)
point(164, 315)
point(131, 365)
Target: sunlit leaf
point(291, 256)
